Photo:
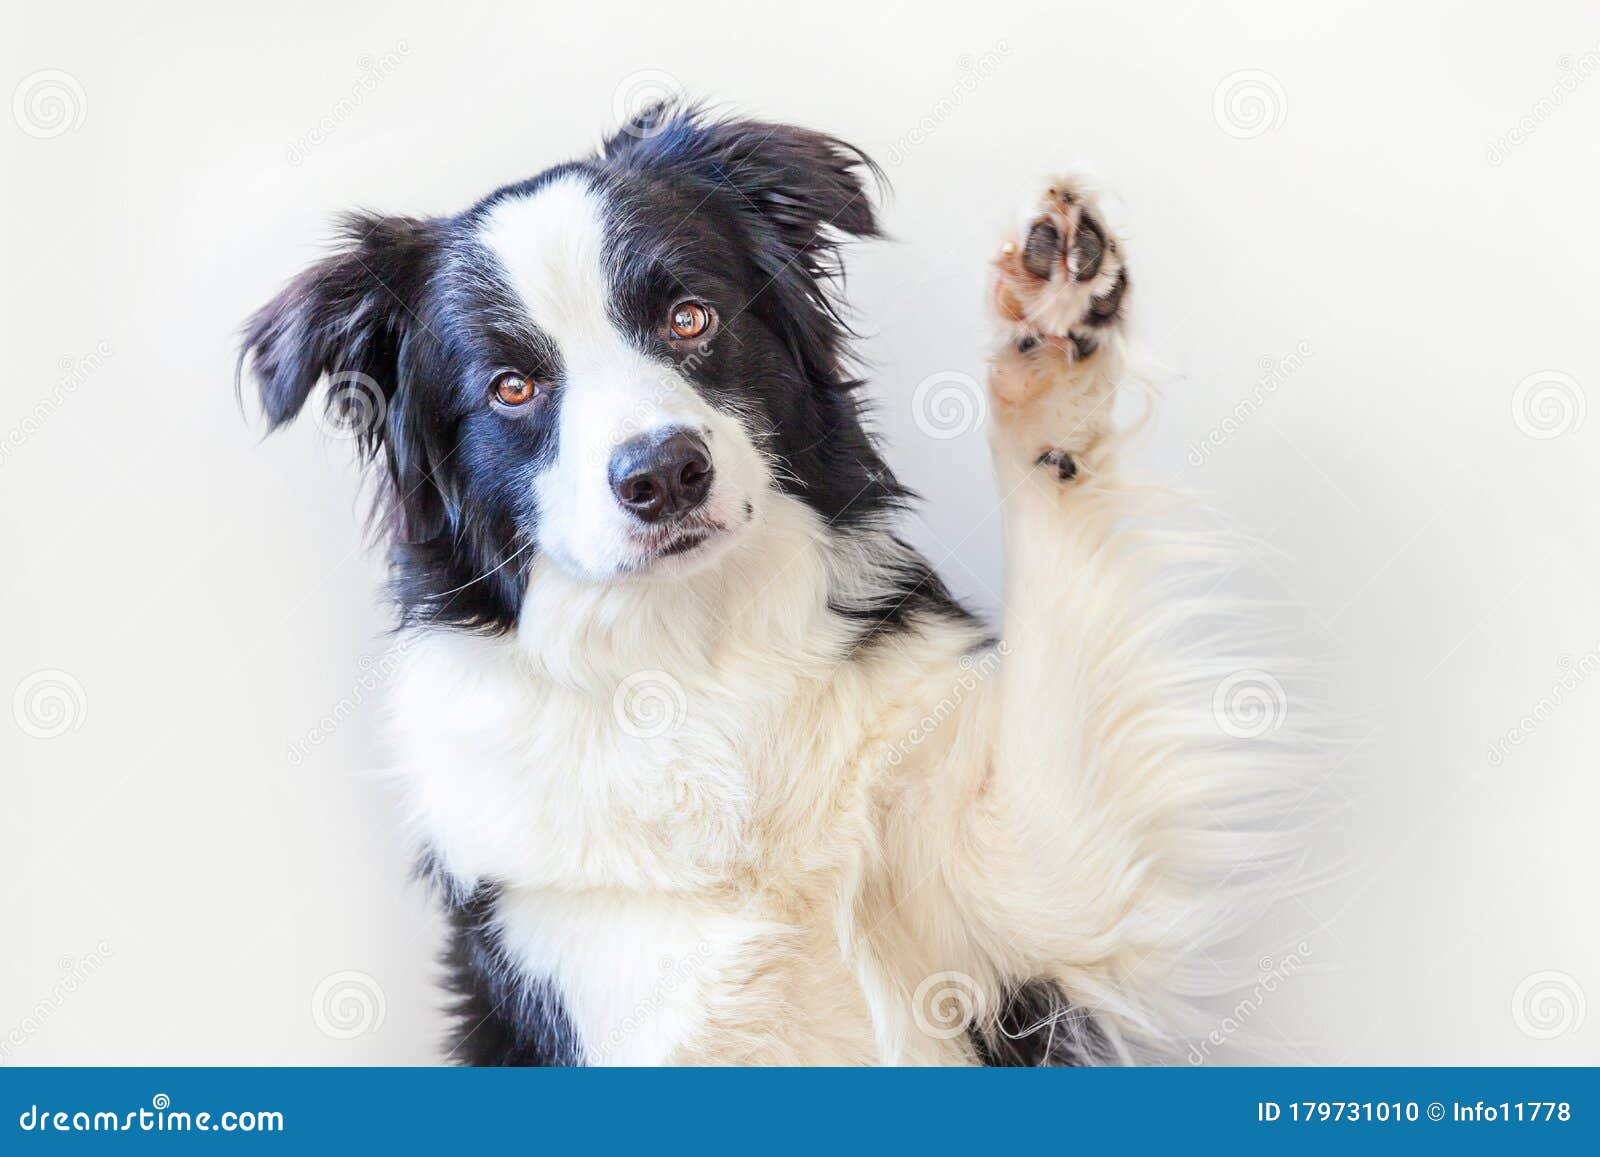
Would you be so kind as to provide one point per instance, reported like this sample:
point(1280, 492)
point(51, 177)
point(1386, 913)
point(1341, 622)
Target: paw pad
point(1042, 249)
point(1088, 250)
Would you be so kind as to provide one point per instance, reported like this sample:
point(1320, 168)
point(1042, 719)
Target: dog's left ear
point(805, 189)
point(346, 318)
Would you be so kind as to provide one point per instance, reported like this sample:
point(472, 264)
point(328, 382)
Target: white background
point(207, 595)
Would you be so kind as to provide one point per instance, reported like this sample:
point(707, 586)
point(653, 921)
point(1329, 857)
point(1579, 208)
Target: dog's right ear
point(347, 318)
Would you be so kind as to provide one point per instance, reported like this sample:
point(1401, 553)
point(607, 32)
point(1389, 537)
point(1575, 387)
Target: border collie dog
point(705, 763)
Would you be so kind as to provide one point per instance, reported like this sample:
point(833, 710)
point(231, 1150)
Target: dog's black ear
point(808, 188)
point(346, 318)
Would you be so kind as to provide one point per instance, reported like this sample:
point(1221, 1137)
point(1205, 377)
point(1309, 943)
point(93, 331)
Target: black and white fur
point(749, 786)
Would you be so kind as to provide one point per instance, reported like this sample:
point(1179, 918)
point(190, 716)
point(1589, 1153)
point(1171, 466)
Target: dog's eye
point(514, 389)
point(689, 319)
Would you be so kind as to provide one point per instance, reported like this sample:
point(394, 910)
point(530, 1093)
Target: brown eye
point(514, 390)
point(690, 319)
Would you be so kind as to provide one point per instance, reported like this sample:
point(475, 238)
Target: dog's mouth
point(673, 542)
point(683, 544)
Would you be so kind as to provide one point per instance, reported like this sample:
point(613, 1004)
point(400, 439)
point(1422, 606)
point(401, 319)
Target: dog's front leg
point(1073, 772)
point(1059, 295)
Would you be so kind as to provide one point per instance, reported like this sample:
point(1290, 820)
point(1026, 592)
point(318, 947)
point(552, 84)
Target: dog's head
point(616, 365)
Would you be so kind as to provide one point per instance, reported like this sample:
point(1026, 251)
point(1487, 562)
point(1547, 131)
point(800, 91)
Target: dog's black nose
point(658, 476)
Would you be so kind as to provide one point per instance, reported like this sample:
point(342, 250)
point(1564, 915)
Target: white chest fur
point(515, 778)
point(653, 775)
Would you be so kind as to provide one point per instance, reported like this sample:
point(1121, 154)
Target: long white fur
point(724, 843)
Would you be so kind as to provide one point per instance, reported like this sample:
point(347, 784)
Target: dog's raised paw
point(1065, 274)
point(1060, 286)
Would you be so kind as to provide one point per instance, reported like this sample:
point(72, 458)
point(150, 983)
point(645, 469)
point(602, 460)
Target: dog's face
point(615, 366)
point(609, 387)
